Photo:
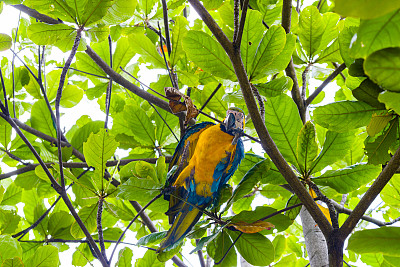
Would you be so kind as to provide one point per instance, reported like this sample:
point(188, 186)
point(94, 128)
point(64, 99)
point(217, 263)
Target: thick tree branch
point(266, 140)
point(330, 78)
point(124, 82)
point(380, 182)
point(34, 14)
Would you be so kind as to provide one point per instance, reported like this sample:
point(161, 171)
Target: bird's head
point(234, 120)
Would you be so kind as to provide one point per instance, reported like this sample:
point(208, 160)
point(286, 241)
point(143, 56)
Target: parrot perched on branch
point(207, 156)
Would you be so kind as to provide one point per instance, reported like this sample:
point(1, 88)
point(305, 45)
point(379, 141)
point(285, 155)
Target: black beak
point(230, 123)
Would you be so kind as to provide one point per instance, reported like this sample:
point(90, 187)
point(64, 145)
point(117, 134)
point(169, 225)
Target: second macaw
point(207, 156)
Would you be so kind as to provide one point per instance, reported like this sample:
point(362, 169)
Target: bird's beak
point(230, 122)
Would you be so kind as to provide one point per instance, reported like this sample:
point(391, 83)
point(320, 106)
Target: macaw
point(206, 156)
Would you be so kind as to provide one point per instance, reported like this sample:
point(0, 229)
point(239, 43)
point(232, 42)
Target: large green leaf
point(377, 148)
point(275, 87)
point(71, 96)
point(120, 11)
point(123, 54)
point(5, 133)
point(256, 249)
point(307, 147)
point(279, 243)
point(139, 123)
point(350, 178)
point(219, 247)
point(125, 258)
point(99, 148)
point(390, 193)
point(85, 63)
point(368, 92)
point(376, 34)
point(335, 148)
point(139, 189)
point(41, 118)
point(383, 67)
point(46, 256)
point(88, 216)
point(384, 240)
point(268, 49)
point(9, 248)
point(345, 37)
point(9, 221)
point(216, 104)
point(47, 34)
point(82, 134)
point(390, 99)
point(55, 9)
point(14, 262)
point(283, 123)
point(311, 29)
point(149, 259)
point(5, 42)
point(150, 239)
point(147, 6)
point(252, 34)
point(90, 11)
point(12, 196)
point(142, 45)
point(178, 33)
point(330, 32)
point(59, 225)
point(344, 116)
point(365, 9)
point(208, 54)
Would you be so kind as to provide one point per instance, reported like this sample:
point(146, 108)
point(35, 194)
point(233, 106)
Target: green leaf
point(307, 147)
point(12, 196)
point(48, 34)
point(142, 45)
point(41, 118)
point(275, 87)
point(312, 28)
point(9, 248)
point(5, 133)
point(384, 240)
point(9, 221)
point(93, 11)
point(221, 245)
point(59, 225)
point(350, 178)
point(247, 163)
point(216, 103)
point(71, 96)
point(150, 239)
point(336, 146)
point(45, 256)
point(14, 262)
point(292, 213)
point(147, 6)
point(140, 124)
point(178, 33)
point(123, 53)
point(125, 258)
point(377, 149)
point(268, 49)
point(83, 133)
point(97, 150)
point(376, 34)
point(383, 67)
point(163, 133)
point(330, 32)
point(391, 100)
point(390, 193)
point(88, 215)
point(149, 260)
point(344, 115)
point(98, 33)
point(139, 189)
point(283, 122)
point(203, 50)
point(206, 240)
point(345, 37)
point(5, 42)
point(365, 9)
point(256, 249)
point(85, 63)
point(252, 33)
point(279, 243)
point(120, 11)
point(249, 180)
point(368, 92)
point(282, 60)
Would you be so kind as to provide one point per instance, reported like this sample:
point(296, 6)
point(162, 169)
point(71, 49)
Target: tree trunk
point(335, 249)
point(316, 246)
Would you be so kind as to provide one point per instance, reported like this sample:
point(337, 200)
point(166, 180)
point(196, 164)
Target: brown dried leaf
point(251, 228)
point(174, 96)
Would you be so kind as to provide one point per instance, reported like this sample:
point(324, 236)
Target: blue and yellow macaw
point(207, 156)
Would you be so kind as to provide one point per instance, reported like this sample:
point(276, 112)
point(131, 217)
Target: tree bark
point(315, 241)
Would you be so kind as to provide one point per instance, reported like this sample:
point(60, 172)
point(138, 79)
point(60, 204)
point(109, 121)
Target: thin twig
point(88, 73)
point(260, 101)
point(13, 64)
point(4, 107)
point(166, 27)
point(238, 40)
point(235, 21)
point(211, 96)
point(328, 202)
point(330, 78)
point(201, 256)
point(165, 61)
point(304, 81)
point(131, 222)
point(109, 87)
point(336, 65)
point(11, 155)
point(100, 227)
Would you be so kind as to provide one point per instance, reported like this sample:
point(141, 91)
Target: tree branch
point(380, 182)
point(238, 40)
point(34, 14)
point(166, 27)
point(330, 78)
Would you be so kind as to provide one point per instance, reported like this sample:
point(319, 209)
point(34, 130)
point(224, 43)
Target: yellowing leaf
point(378, 123)
point(324, 210)
point(251, 228)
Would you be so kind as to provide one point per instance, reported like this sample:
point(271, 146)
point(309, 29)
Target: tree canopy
point(318, 155)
